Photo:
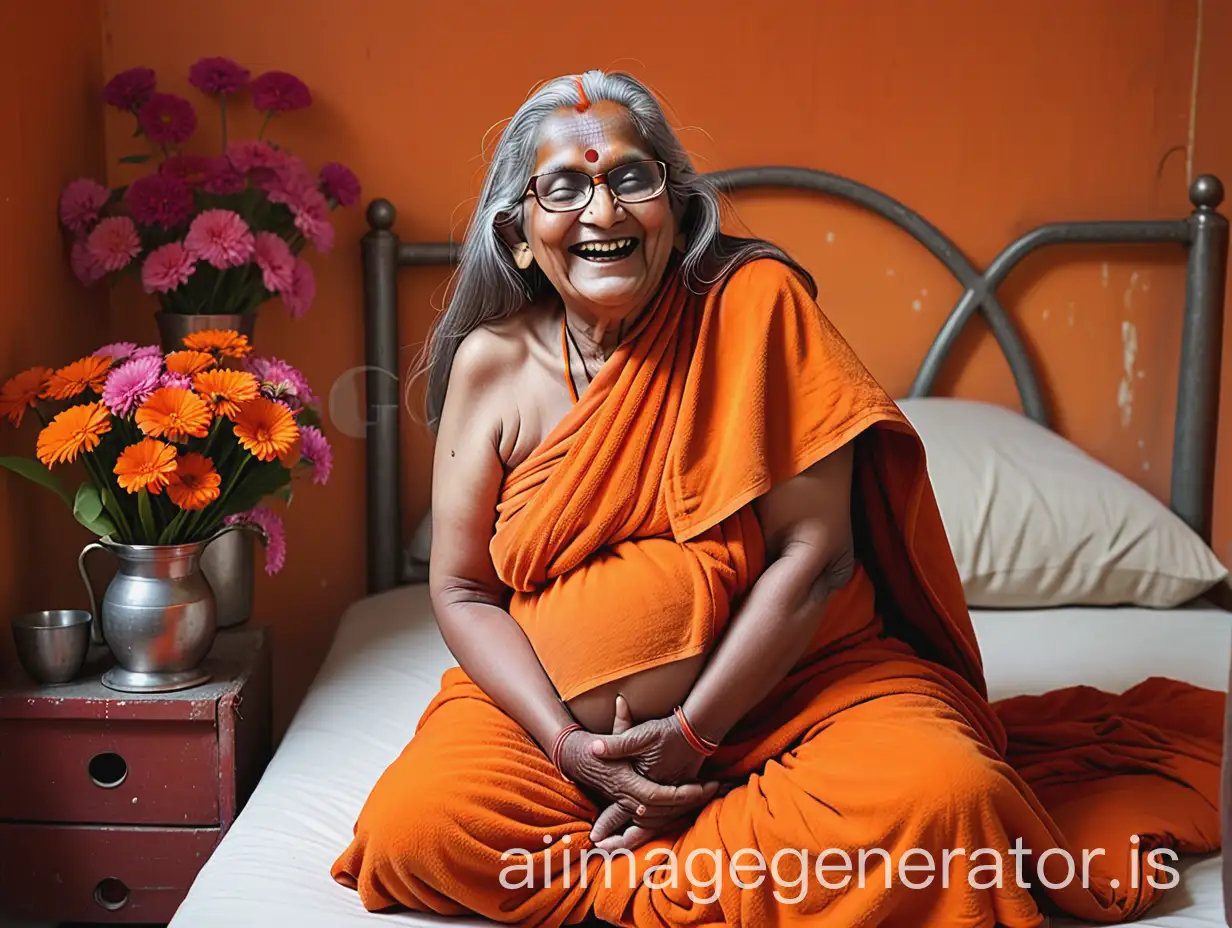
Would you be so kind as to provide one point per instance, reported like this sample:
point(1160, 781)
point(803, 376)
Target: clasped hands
point(646, 772)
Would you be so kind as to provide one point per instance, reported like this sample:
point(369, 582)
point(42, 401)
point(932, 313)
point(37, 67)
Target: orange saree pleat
point(875, 784)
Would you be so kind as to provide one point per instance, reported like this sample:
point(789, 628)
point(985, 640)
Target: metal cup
point(52, 645)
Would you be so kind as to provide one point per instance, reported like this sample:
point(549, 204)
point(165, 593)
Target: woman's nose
point(603, 208)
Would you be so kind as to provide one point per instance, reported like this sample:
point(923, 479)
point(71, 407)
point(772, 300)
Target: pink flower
point(167, 119)
point(114, 243)
point(223, 178)
point(302, 291)
point(315, 447)
point(168, 266)
point(191, 169)
point(273, 256)
point(280, 381)
point(340, 184)
point(159, 199)
point(129, 89)
point(147, 351)
point(248, 155)
point(172, 379)
point(275, 535)
point(290, 182)
point(218, 75)
point(279, 91)
point(85, 268)
point(130, 384)
point(221, 238)
point(80, 203)
point(312, 218)
point(117, 351)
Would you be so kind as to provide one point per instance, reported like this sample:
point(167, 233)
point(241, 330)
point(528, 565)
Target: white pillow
point(1035, 522)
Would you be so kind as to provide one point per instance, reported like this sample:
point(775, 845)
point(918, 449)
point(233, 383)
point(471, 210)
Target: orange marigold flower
point(195, 484)
point(175, 414)
point(189, 363)
point(266, 429)
point(226, 342)
point(226, 390)
point(147, 465)
point(21, 392)
point(76, 429)
point(69, 381)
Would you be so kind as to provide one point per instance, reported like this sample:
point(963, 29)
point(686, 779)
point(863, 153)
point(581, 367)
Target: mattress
point(385, 665)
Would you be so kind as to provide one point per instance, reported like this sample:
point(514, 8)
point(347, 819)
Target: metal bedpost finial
point(381, 215)
point(1206, 192)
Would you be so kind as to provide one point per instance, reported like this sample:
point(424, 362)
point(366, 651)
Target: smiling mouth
point(601, 252)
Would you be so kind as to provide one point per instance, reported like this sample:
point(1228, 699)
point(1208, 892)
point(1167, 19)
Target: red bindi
point(591, 155)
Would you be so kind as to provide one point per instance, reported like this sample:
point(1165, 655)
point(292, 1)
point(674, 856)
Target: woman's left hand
point(658, 750)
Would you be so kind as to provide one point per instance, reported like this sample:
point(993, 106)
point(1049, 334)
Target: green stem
point(145, 511)
point(222, 105)
point(168, 537)
point(268, 116)
point(213, 523)
point(104, 490)
point(214, 296)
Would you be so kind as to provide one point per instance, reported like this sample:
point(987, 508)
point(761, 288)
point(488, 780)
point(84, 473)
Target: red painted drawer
point(108, 771)
point(99, 873)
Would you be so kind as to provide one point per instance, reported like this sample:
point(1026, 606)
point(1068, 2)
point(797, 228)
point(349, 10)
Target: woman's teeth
point(605, 251)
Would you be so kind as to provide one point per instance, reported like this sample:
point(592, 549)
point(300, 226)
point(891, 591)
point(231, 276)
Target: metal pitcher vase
point(158, 615)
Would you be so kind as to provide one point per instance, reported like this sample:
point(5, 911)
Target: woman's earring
point(523, 257)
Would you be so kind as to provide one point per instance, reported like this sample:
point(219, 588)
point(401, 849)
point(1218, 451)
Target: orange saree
point(875, 785)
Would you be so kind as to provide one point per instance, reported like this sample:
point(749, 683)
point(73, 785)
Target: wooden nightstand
point(110, 803)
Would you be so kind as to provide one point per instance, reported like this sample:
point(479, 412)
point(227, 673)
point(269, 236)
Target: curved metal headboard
point(1204, 232)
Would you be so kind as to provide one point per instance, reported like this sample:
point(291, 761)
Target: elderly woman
point(715, 665)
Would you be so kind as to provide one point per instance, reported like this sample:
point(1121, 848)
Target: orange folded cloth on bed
point(875, 785)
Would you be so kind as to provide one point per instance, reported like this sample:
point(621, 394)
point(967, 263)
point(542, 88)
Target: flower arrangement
point(208, 234)
point(174, 445)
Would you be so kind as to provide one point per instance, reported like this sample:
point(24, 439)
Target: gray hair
point(487, 284)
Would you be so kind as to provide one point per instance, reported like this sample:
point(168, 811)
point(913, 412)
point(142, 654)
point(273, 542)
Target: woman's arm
point(467, 596)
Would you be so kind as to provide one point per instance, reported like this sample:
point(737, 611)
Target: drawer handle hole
point(107, 770)
point(111, 894)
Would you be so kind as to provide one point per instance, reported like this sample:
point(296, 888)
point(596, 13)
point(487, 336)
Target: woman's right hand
point(631, 797)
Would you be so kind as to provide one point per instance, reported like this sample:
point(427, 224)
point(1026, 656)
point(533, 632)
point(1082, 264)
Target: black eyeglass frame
point(595, 181)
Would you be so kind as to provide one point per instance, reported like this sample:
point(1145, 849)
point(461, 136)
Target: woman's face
point(603, 286)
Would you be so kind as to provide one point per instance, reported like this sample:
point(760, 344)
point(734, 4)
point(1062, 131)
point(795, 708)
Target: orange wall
point(986, 118)
point(53, 133)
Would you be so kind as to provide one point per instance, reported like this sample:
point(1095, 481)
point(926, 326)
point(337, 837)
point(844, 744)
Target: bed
point(1132, 599)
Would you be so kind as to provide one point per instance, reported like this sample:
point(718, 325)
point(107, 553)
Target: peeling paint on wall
point(1103, 275)
point(1129, 355)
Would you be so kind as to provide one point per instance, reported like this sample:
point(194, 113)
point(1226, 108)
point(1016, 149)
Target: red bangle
point(558, 743)
point(696, 741)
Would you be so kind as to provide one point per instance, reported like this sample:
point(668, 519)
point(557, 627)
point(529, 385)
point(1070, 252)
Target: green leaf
point(88, 510)
point(284, 493)
point(33, 470)
point(265, 481)
point(146, 512)
point(135, 159)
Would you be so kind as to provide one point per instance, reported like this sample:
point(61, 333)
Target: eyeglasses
point(565, 191)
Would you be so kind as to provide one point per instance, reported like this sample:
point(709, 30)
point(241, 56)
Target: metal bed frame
point(1203, 234)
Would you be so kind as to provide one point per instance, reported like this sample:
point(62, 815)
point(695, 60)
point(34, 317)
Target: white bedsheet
point(385, 665)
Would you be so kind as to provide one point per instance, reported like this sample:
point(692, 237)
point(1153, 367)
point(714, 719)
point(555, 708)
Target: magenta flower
point(117, 351)
point(218, 75)
point(193, 170)
point(290, 182)
point(80, 203)
point(273, 256)
point(312, 219)
point(159, 200)
point(280, 381)
point(130, 384)
point(114, 243)
point(172, 379)
point(147, 351)
point(129, 89)
point(251, 154)
point(315, 447)
point(221, 238)
point(278, 91)
point(273, 532)
point(223, 178)
point(85, 268)
point(298, 298)
point(167, 267)
point(167, 119)
point(340, 184)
